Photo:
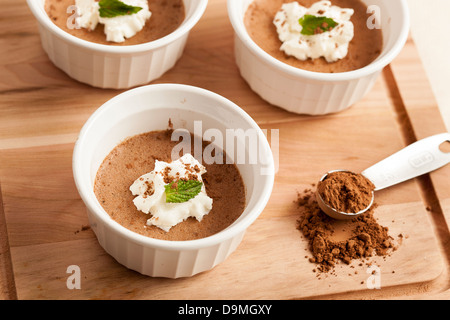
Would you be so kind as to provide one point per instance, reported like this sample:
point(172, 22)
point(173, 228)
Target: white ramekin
point(115, 67)
point(315, 93)
point(149, 108)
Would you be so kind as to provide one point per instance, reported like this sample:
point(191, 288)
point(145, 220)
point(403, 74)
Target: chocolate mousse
point(166, 17)
point(365, 47)
point(135, 157)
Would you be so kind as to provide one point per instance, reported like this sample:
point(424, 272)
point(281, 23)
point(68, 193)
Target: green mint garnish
point(182, 191)
point(312, 25)
point(114, 8)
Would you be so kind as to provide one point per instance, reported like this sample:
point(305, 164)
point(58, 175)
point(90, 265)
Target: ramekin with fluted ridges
point(149, 108)
point(315, 93)
point(115, 67)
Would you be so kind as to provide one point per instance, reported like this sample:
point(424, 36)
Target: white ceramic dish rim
point(92, 204)
point(377, 65)
point(186, 26)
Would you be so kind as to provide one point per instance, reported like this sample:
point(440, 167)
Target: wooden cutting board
point(43, 223)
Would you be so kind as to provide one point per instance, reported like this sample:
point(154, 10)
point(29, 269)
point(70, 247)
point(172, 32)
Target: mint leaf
point(114, 8)
point(312, 25)
point(181, 191)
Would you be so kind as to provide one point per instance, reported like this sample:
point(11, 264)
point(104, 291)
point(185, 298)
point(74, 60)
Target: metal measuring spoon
point(416, 159)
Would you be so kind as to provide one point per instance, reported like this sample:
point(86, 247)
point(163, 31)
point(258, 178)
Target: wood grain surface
point(43, 223)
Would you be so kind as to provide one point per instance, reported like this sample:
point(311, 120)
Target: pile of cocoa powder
point(364, 237)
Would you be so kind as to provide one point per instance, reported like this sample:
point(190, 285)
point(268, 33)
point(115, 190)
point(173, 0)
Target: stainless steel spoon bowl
point(416, 159)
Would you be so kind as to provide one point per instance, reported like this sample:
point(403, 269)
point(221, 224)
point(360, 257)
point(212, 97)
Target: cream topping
point(151, 198)
point(332, 44)
point(117, 29)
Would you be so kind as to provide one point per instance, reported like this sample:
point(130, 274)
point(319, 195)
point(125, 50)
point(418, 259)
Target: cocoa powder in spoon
point(346, 191)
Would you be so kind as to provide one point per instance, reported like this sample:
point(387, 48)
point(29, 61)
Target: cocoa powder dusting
point(346, 191)
point(363, 236)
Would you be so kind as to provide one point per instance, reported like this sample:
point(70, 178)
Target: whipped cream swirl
point(151, 198)
point(117, 29)
point(332, 44)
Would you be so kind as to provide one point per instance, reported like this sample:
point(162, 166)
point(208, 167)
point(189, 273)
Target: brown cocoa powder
point(363, 236)
point(346, 191)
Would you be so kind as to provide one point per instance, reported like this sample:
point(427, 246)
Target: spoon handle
point(416, 159)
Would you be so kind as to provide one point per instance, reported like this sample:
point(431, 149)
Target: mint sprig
point(181, 191)
point(114, 8)
point(312, 25)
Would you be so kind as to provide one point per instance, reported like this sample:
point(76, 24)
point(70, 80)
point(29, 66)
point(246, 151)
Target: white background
point(430, 29)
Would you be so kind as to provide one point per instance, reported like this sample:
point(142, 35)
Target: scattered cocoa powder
point(346, 191)
point(331, 241)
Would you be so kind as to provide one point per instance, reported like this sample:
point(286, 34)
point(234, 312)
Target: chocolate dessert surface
point(136, 156)
point(364, 48)
point(166, 17)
